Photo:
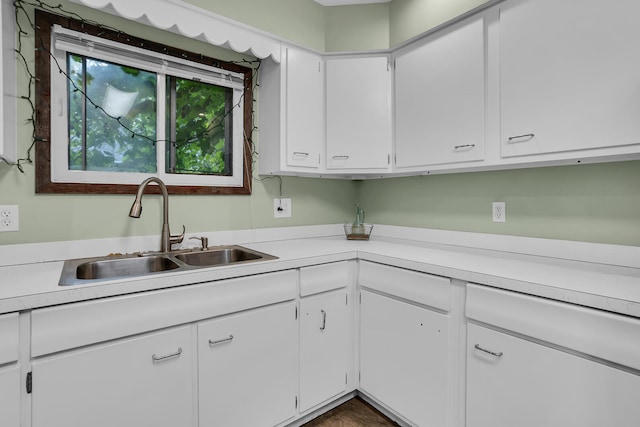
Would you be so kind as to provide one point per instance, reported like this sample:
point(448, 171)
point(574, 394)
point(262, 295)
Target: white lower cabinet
point(141, 381)
point(247, 363)
point(10, 384)
point(404, 358)
point(535, 362)
point(10, 387)
point(324, 347)
point(516, 382)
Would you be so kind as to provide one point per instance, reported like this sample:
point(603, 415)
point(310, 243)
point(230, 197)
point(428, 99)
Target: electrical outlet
point(499, 211)
point(281, 208)
point(9, 218)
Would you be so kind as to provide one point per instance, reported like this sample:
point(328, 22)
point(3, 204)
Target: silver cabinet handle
point(300, 153)
point(467, 146)
point(340, 157)
point(493, 353)
point(523, 138)
point(157, 359)
point(220, 341)
point(324, 320)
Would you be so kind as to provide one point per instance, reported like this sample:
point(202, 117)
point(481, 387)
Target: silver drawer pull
point(522, 138)
point(493, 353)
point(157, 359)
point(340, 157)
point(324, 320)
point(222, 340)
point(300, 153)
point(465, 146)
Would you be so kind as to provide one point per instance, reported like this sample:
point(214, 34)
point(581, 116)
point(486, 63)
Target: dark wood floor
point(353, 413)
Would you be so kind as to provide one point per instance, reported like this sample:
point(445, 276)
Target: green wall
point(592, 203)
point(595, 203)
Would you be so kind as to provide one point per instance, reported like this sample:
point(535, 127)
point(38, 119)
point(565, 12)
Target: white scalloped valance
point(191, 21)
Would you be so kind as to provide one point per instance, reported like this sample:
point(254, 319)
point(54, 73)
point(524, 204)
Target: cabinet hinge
point(29, 382)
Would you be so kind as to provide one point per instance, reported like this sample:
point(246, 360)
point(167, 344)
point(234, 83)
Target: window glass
point(114, 127)
point(200, 127)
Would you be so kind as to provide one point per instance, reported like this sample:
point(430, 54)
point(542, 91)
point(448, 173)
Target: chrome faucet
point(166, 239)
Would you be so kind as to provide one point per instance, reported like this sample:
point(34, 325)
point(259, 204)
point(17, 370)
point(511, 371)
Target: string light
point(20, 5)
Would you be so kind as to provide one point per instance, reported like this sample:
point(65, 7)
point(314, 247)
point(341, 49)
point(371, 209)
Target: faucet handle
point(204, 241)
point(178, 238)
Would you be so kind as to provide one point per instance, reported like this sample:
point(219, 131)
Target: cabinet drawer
point(74, 325)
point(322, 278)
point(605, 335)
point(422, 288)
point(8, 338)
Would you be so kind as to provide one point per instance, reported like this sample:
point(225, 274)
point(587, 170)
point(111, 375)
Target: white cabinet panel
point(324, 347)
point(322, 278)
point(10, 391)
point(358, 113)
point(529, 385)
point(142, 381)
point(569, 75)
point(247, 367)
point(9, 338)
point(8, 117)
point(10, 384)
point(404, 358)
point(440, 98)
point(304, 108)
point(292, 121)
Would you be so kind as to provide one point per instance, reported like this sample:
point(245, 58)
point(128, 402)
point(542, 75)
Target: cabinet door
point(358, 113)
point(143, 381)
point(511, 381)
point(304, 88)
point(569, 75)
point(324, 347)
point(248, 368)
point(10, 384)
point(440, 99)
point(10, 388)
point(404, 358)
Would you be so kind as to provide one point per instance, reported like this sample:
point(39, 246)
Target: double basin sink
point(90, 270)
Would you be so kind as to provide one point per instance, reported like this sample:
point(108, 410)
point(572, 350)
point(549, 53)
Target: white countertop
point(602, 286)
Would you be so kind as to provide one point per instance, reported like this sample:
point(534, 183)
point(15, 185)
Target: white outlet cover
point(9, 220)
point(282, 208)
point(499, 211)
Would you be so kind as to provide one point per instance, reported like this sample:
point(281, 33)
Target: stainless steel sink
point(224, 255)
point(123, 267)
point(90, 270)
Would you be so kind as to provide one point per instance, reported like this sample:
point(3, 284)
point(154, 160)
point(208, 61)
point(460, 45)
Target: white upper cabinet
point(291, 113)
point(8, 143)
point(569, 75)
point(305, 108)
point(440, 98)
point(358, 113)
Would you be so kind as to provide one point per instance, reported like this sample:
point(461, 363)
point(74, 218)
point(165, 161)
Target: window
point(121, 109)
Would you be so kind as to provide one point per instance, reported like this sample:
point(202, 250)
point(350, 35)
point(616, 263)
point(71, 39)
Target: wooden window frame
point(44, 184)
